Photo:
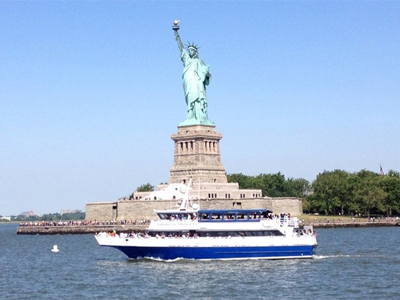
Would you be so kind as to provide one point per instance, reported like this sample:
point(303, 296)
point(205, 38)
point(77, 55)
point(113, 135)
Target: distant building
point(27, 213)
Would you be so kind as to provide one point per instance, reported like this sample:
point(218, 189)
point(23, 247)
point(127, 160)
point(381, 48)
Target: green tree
point(391, 185)
point(272, 185)
point(306, 205)
point(326, 187)
point(51, 217)
point(243, 180)
point(145, 188)
point(73, 216)
point(317, 203)
point(343, 189)
point(370, 192)
point(297, 187)
point(332, 192)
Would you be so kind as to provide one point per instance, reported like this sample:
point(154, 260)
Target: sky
point(91, 92)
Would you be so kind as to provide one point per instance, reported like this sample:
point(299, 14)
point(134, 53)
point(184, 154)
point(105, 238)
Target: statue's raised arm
point(195, 77)
point(177, 37)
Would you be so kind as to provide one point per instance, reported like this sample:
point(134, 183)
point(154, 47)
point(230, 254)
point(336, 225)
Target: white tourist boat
point(188, 232)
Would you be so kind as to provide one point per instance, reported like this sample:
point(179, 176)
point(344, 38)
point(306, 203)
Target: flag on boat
point(382, 173)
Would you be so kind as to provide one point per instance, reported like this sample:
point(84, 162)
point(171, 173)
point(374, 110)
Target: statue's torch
point(176, 26)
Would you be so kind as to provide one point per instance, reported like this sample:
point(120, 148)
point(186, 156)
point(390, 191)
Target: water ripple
point(356, 263)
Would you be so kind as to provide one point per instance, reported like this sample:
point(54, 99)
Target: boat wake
point(334, 256)
point(179, 259)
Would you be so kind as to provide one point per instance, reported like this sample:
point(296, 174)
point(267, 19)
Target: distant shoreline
point(10, 222)
point(83, 229)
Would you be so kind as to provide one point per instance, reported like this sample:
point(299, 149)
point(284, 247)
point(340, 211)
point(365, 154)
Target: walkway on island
point(349, 222)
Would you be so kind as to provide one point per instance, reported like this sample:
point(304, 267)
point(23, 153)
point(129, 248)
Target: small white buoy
point(55, 249)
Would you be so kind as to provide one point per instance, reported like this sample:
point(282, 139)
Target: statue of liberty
point(195, 77)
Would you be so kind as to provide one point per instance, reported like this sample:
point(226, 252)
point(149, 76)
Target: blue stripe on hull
point(171, 253)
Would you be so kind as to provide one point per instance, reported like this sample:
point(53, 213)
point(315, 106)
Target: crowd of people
point(147, 235)
point(86, 223)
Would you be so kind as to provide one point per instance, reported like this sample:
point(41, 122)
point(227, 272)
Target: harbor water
point(351, 263)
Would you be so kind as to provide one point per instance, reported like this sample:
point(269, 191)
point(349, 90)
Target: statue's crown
point(192, 45)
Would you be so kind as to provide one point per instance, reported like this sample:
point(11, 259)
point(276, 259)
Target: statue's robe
point(195, 77)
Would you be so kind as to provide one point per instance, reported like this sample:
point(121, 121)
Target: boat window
point(164, 216)
point(214, 234)
point(234, 215)
point(216, 216)
point(240, 216)
point(204, 216)
point(229, 217)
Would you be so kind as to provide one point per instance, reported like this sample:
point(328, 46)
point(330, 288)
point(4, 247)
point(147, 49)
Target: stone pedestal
point(197, 155)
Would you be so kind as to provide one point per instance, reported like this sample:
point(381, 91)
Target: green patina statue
point(195, 77)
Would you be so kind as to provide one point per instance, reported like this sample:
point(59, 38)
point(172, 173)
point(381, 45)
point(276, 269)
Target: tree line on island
point(335, 192)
